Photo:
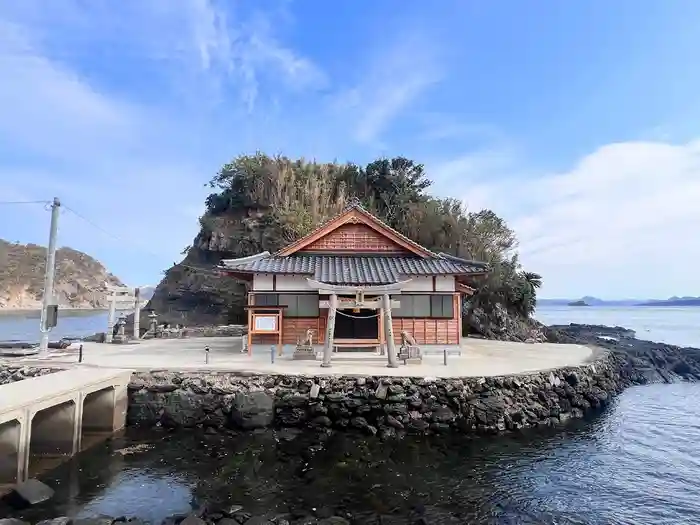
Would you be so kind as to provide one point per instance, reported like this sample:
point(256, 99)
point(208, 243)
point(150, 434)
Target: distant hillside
point(79, 280)
point(146, 292)
point(674, 301)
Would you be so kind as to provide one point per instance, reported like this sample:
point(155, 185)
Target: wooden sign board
point(265, 323)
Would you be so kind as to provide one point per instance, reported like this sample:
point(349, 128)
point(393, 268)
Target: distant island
point(674, 301)
point(580, 302)
point(595, 301)
point(79, 281)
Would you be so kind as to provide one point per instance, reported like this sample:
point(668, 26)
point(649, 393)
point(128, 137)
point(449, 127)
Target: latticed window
point(425, 306)
point(297, 305)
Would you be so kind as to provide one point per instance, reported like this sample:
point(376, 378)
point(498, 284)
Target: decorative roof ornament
point(354, 203)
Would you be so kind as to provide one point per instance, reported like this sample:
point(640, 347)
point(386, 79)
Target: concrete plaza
point(476, 358)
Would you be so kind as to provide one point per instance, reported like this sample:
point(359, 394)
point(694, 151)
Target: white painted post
point(389, 332)
point(137, 313)
point(330, 329)
point(111, 315)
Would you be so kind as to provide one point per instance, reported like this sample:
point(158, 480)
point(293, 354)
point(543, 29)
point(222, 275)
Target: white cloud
point(395, 78)
point(623, 221)
point(115, 161)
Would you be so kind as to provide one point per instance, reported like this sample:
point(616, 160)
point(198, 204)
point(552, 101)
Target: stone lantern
point(153, 322)
point(120, 336)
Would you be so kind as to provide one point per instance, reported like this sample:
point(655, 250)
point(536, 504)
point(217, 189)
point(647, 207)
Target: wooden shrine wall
point(355, 238)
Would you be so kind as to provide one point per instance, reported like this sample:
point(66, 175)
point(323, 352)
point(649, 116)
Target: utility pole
point(49, 277)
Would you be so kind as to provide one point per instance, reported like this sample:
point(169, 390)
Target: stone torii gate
point(383, 304)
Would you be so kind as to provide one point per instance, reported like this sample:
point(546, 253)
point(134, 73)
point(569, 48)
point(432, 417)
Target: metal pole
point(206, 355)
point(444, 356)
point(80, 354)
point(49, 277)
point(272, 355)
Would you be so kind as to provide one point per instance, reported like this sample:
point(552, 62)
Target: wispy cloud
point(623, 217)
point(393, 79)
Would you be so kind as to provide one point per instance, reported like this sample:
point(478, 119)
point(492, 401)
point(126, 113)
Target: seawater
point(637, 463)
point(674, 325)
point(24, 326)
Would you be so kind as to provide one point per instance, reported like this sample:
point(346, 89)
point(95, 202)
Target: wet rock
point(393, 422)
point(162, 388)
point(12, 521)
point(442, 415)
point(242, 517)
point(258, 520)
point(28, 493)
point(252, 410)
point(193, 520)
point(95, 521)
point(56, 521)
point(333, 520)
point(233, 509)
point(417, 426)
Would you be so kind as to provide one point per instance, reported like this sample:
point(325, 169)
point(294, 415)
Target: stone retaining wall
point(374, 405)
point(18, 373)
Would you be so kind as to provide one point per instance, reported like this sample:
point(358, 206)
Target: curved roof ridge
point(443, 255)
point(245, 260)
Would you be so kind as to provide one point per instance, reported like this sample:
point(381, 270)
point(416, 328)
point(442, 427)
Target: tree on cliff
point(263, 203)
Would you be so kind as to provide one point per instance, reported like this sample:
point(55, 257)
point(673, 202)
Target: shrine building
point(355, 282)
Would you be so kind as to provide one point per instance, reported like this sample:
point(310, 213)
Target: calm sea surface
point(637, 463)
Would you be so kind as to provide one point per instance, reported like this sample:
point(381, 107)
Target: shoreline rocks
point(229, 515)
point(12, 374)
point(640, 361)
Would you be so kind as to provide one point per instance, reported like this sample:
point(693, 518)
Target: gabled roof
point(354, 214)
point(356, 269)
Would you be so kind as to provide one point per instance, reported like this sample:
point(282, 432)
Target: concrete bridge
point(47, 419)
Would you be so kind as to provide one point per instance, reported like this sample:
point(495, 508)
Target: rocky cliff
point(79, 279)
point(193, 292)
point(264, 203)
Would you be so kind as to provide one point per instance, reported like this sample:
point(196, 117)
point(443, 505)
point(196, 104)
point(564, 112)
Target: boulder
point(252, 410)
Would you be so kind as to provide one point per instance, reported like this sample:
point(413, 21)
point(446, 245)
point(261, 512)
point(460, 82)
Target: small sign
point(265, 323)
point(52, 316)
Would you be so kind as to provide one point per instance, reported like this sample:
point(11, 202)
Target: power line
point(25, 202)
point(117, 238)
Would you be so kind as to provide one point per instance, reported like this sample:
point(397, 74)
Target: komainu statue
point(409, 351)
point(305, 347)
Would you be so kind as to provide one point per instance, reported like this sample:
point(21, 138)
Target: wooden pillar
point(250, 324)
point(330, 328)
point(458, 313)
point(389, 332)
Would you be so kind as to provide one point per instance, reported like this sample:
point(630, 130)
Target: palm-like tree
point(531, 281)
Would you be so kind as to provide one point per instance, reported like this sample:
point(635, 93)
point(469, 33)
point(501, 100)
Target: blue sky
point(576, 121)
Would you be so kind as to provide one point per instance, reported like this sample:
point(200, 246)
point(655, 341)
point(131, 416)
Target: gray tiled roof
point(335, 269)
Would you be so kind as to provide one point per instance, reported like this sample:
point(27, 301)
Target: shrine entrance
point(361, 324)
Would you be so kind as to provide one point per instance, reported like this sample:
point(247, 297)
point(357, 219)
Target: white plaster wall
point(445, 283)
point(419, 283)
point(293, 283)
point(262, 282)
